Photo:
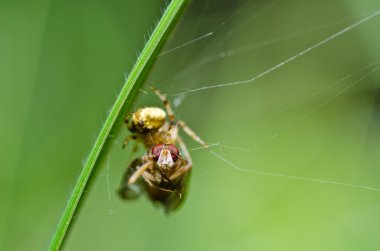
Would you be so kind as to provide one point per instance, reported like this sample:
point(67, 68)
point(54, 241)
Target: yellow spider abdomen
point(149, 118)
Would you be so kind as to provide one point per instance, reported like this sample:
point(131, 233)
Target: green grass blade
point(121, 104)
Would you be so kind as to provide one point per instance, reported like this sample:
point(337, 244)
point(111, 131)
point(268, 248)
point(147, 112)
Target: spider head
point(165, 155)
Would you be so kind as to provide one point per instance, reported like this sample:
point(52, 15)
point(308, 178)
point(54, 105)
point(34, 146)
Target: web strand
point(186, 44)
point(290, 59)
point(309, 179)
point(280, 175)
point(315, 93)
point(233, 52)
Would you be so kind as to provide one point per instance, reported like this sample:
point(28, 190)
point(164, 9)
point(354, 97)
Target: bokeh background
point(317, 118)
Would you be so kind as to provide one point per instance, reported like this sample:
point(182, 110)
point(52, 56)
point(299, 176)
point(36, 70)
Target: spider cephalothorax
point(163, 172)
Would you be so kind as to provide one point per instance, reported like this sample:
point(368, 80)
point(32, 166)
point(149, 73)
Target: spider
point(162, 172)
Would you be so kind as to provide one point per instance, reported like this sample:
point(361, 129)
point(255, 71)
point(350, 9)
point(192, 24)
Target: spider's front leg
point(129, 137)
point(191, 133)
point(187, 159)
point(167, 105)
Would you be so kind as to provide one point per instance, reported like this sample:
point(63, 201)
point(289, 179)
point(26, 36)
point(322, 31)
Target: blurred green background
point(63, 62)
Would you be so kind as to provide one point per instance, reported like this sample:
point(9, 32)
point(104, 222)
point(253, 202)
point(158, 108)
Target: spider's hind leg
point(167, 105)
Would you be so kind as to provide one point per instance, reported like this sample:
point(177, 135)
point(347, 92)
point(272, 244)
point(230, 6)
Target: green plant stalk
point(135, 78)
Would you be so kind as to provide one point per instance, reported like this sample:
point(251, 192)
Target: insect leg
point(149, 178)
point(140, 170)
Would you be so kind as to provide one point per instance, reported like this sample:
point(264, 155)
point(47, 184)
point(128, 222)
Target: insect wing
point(170, 196)
point(176, 199)
point(131, 191)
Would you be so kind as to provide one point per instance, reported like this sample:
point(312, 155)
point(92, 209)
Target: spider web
point(346, 25)
point(287, 106)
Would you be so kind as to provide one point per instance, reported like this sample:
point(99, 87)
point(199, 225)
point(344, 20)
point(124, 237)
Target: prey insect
point(163, 172)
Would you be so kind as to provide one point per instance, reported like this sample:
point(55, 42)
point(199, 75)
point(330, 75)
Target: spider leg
point(167, 105)
point(135, 148)
point(191, 133)
point(129, 137)
point(172, 133)
point(184, 168)
point(126, 119)
point(183, 147)
point(126, 141)
point(140, 170)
